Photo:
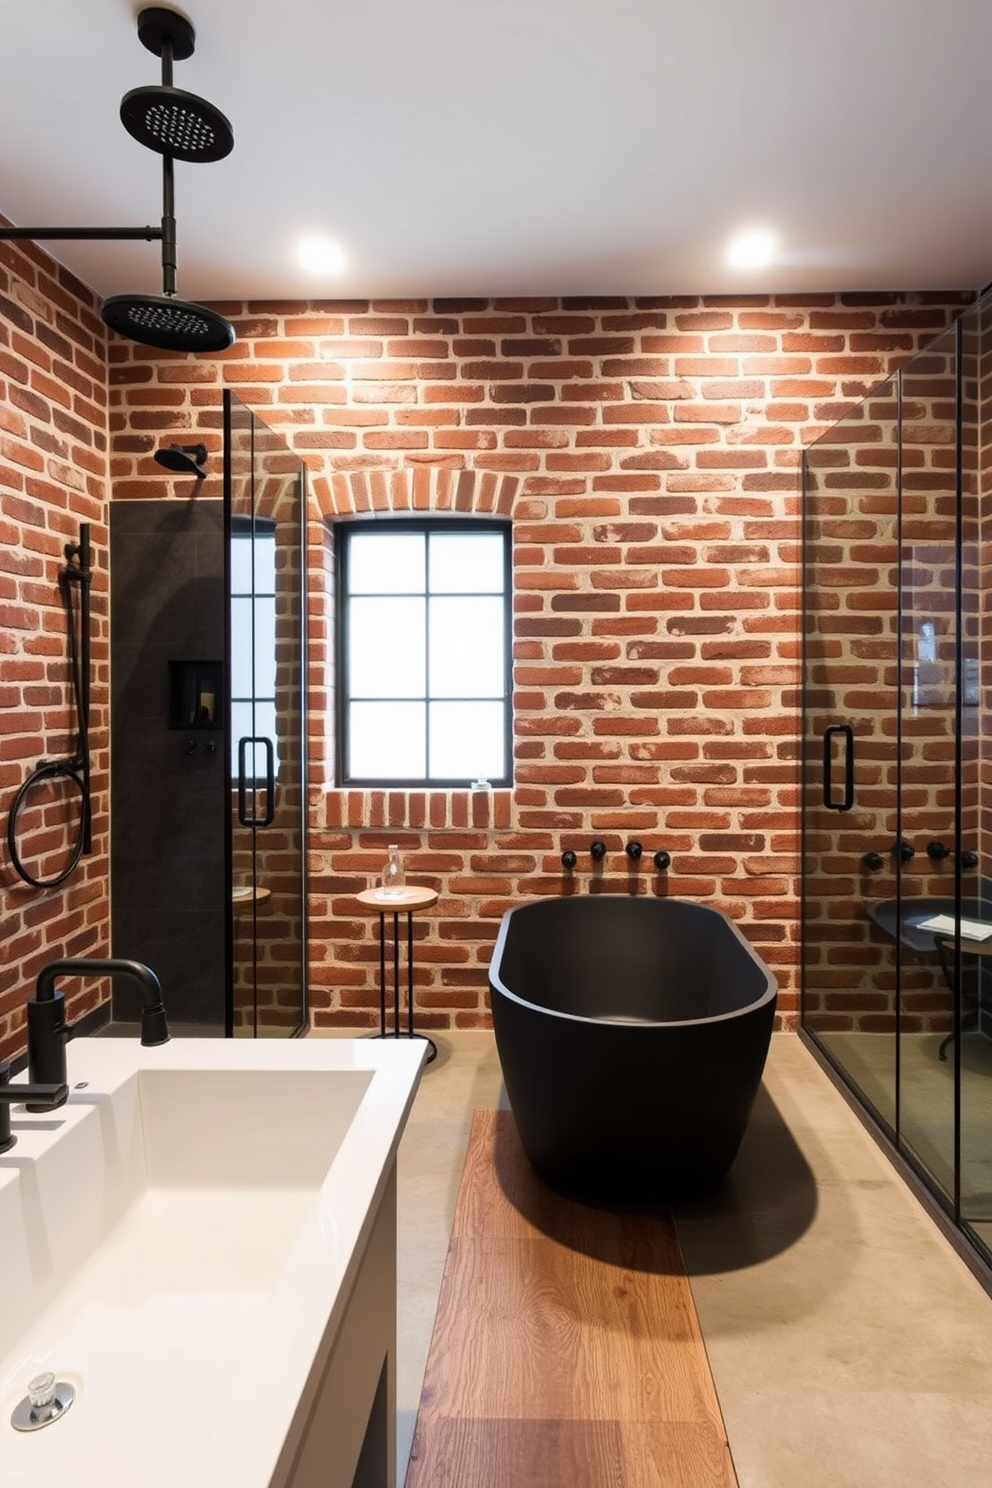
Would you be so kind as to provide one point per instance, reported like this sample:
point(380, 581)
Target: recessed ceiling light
point(320, 255)
point(751, 250)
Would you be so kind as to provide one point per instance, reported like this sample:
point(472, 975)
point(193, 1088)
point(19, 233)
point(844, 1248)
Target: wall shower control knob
point(873, 861)
point(938, 851)
point(568, 859)
point(633, 851)
point(597, 850)
point(905, 850)
point(662, 860)
point(969, 859)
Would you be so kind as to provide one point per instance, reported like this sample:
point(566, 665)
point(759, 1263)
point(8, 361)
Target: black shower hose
point(72, 769)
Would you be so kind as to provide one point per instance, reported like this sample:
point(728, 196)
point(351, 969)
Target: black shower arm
point(93, 234)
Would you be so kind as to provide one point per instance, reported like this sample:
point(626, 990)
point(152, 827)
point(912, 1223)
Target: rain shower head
point(176, 123)
point(168, 323)
point(184, 459)
point(165, 118)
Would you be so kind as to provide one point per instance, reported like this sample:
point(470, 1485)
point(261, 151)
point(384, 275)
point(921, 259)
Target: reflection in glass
point(387, 741)
point(466, 736)
point(386, 648)
point(386, 563)
point(241, 660)
point(466, 647)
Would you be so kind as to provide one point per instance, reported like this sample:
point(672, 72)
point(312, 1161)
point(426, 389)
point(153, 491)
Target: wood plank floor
point(566, 1350)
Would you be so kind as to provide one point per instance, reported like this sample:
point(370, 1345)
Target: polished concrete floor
point(851, 1347)
point(926, 1116)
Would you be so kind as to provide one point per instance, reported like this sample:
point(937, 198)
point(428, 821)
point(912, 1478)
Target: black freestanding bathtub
point(632, 1033)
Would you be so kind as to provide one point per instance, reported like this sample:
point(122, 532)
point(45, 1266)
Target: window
point(253, 643)
point(424, 683)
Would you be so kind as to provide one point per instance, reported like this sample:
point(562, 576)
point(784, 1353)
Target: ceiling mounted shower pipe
point(176, 125)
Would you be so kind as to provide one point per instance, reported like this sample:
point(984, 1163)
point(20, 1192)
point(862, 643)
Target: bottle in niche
point(393, 875)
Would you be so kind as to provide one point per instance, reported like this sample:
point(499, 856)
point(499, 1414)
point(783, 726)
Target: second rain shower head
point(183, 459)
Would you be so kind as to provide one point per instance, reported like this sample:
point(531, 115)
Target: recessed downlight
point(751, 249)
point(320, 255)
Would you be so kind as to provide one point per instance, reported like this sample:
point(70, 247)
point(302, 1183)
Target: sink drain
point(46, 1400)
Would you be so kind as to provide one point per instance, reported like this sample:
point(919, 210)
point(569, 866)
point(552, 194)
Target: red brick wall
point(648, 453)
point(53, 476)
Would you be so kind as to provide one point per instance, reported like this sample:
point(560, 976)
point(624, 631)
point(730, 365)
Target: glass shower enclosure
point(896, 783)
point(265, 511)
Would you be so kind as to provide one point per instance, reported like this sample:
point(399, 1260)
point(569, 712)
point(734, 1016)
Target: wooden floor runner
point(566, 1350)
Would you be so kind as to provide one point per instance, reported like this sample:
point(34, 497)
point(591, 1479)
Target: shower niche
point(196, 694)
point(207, 743)
point(896, 789)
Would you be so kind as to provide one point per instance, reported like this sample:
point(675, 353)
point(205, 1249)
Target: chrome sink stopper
point(44, 1403)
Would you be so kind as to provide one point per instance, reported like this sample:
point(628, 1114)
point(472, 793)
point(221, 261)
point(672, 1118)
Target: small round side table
point(406, 901)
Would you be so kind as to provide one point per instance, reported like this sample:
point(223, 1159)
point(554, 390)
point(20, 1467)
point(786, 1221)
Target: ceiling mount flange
point(157, 25)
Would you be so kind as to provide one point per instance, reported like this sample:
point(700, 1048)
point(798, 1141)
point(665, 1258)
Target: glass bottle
point(393, 874)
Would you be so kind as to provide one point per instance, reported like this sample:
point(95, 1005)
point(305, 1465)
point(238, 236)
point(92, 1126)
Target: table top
point(408, 899)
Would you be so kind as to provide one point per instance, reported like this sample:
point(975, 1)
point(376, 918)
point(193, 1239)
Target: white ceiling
point(519, 147)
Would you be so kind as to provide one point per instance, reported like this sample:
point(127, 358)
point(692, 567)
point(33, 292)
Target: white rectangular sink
point(185, 1243)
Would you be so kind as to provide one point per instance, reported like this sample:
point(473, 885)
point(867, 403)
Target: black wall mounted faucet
point(48, 1032)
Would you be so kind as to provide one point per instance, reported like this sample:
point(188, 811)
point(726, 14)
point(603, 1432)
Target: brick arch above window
point(417, 488)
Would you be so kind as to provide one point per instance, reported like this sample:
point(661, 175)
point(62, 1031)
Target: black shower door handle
point(270, 783)
point(846, 732)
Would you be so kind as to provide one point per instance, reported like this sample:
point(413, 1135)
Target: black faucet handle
point(597, 850)
point(634, 850)
point(35, 1097)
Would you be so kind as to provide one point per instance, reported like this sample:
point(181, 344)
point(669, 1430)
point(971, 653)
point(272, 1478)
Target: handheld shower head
point(184, 459)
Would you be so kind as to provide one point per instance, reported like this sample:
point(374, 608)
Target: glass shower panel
point(850, 566)
point(266, 537)
point(972, 964)
point(928, 757)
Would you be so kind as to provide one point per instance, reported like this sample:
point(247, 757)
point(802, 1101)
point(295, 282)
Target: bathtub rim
point(496, 984)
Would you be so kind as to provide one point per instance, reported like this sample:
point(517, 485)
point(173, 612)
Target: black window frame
point(342, 698)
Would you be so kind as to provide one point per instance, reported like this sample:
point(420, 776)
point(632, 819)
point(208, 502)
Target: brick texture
point(54, 453)
point(648, 453)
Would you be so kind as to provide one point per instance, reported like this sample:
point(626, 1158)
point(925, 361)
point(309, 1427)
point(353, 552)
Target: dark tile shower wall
point(168, 798)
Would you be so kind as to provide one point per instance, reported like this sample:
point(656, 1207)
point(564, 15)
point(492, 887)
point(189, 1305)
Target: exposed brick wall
point(53, 476)
point(648, 451)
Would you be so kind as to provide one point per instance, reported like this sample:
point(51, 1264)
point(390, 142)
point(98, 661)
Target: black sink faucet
point(42, 1097)
point(48, 1031)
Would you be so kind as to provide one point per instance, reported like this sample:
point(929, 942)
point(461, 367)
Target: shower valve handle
point(597, 850)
